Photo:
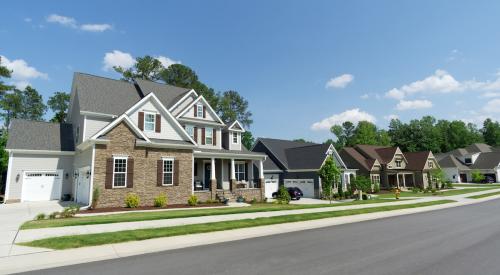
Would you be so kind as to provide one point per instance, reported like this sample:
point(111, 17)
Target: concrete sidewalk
point(89, 254)
point(42, 233)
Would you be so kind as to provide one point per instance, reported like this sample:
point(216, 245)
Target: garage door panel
point(306, 185)
point(272, 186)
point(41, 186)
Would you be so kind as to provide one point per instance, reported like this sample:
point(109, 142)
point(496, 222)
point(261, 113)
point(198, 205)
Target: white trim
point(239, 162)
point(242, 130)
point(115, 122)
point(182, 99)
point(201, 122)
point(95, 114)
point(91, 185)
point(84, 127)
point(200, 154)
point(199, 109)
point(41, 152)
point(232, 138)
point(163, 159)
point(9, 172)
point(162, 145)
point(190, 106)
point(115, 157)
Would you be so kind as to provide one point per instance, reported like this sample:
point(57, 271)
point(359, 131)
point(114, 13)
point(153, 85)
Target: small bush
point(283, 196)
point(348, 194)
point(40, 216)
point(132, 200)
point(240, 199)
point(95, 197)
point(53, 215)
point(376, 188)
point(70, 211)
point(449, 185)
point(253, 201)
point(415, 189)
point(160, 201)
point(433, 190)
point(193, 200)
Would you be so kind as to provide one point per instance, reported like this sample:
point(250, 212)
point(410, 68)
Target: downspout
point(91, 185)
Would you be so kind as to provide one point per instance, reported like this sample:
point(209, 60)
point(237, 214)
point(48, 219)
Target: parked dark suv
point(295, 193)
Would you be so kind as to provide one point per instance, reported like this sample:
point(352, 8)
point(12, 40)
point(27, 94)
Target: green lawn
point(172, 214)
point(446, 193)
point(484, 195)
point(477, 185)
point(144, 234)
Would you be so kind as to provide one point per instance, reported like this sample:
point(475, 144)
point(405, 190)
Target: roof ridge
point(104, 77)
point(40, 121)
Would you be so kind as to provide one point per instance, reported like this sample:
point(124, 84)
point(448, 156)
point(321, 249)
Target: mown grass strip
point(484, 195)
point(76, 241)
point(475, 185)
point(174, 214)
point(441, 193)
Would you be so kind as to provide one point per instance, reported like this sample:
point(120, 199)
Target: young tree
point(247, 139)
point(329, 174)
point(146, 67)
point(438, 177)
point(477, 176)
point(362, 184)
point(33, 106)
point(58, 103)
point(232, 107)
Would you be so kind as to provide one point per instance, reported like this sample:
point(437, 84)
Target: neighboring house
point(143, 137)
point(459, 163)
point(389, 166)
point(296, 164)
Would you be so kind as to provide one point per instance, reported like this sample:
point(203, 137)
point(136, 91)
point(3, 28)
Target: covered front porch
point(228, 175)
point(401, 179)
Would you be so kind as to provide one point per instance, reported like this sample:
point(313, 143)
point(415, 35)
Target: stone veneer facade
point(122, 142)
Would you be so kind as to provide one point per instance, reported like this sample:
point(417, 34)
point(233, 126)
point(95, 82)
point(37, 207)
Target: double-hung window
point(199, 110)
point(235, 138)
point(239, 171)
point(190, 130)
point(119, 172)
point(375, 179)
point(149, 122)
point(431, 164)
point(168, 171)
point(398, 163)
point(208, 136)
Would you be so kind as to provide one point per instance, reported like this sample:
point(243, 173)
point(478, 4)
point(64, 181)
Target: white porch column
point(404, 181)
point(233, 173)
point(261, 169)
point(212, 169)
point(397, 179)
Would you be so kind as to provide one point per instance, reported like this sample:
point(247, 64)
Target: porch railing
point(251, 183)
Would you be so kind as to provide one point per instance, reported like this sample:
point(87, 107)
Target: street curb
point(56, 258)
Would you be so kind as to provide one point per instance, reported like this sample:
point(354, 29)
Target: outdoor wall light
point(75, 174)
point(18, 177)
point(67, 175)
point(88, 174)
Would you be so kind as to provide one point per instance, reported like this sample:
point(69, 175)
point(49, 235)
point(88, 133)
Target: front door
point(208, 172)
point(463, 177)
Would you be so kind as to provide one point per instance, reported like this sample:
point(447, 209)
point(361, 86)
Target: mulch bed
point(172, 206)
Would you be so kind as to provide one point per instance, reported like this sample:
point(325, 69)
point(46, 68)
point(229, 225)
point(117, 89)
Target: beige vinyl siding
point(167, 127)
point(83, 159)
point(190, 114)
point(183, 105)
point(32, 162)
point(94, 124)
point(209, 146)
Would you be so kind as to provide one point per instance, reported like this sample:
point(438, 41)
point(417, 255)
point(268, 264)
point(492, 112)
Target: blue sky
point(302, 65)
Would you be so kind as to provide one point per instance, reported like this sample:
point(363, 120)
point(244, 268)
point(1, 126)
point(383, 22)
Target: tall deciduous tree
point(58, 103)
point(491, 132)
point(365, 133)
point(26, 104)
point(329, 174)
point(247, 139)
point(232, 106)
point(146, 67)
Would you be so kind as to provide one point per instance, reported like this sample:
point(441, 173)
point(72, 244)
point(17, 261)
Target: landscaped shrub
point(376, 188)
point(477, 177)
point(364, 196)
point(70, 211)
point(193, 200)
point(283, 196)
point(40, 216)
point(53, 215)
point(348, 194)
point(132, 200)
point(433, 190)
point(96, 193)
point(415, 189)
point(253, 201)
point(160, 201)
point(449, 185)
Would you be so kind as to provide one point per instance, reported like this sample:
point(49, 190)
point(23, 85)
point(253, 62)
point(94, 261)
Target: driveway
point(15, 214)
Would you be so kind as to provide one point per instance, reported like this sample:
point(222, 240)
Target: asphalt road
point(461, 240)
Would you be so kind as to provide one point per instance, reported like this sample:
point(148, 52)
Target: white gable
point(183, 103)
point(191, 111)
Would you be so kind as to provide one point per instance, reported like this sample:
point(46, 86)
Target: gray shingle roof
point(488, 160)
point(110, 96)
point(451, 161)
point(39, 135)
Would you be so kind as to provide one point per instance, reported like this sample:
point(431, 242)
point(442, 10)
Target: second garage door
point(306, 185)
point(41, 185)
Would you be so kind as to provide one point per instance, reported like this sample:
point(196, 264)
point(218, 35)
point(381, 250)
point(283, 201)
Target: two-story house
point(143, 137)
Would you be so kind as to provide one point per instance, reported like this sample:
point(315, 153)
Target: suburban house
point(459, 163)
point(296, 164)
point(389, 166)
point(136, 137)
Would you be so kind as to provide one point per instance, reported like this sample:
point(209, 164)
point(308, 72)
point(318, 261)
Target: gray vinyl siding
point(234, 146)
point(93, 125)
point(83, 159)
point(32, 162)
point(76, 119)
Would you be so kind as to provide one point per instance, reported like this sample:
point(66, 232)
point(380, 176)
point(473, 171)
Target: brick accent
point(249, 194)
point(213, 188)
point(122, 141)
point(203, 196)
point(233, 184)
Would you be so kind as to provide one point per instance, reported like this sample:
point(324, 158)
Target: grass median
point(484, 195)
point(440, 193)
point(175, 214)
point(76, 241)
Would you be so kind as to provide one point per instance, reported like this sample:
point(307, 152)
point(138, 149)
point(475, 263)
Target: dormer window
point(235, 138)
point(431, 164)
point(468, 160)
point(398, 163)
point(149, 122)
point(199, 110)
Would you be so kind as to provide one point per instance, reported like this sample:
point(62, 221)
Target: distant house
point(389, 166)
point(459, 163)
point(296, 164)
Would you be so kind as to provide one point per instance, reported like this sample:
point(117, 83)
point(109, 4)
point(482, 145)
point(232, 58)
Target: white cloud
point(441, 82)
point(365, 96)
point(353, 115)
point(391, 117)
point(22, 72)
point(95, 27)
point(71, 22)
point(490, 94)
point(62, 20)
point(27, 20)
point(404, 105)
point(117, 58)
point(166, 62)
point(340, 81)
point(493, 106)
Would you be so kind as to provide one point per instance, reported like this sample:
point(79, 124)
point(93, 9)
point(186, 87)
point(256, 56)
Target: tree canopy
point(146, 67)
point(58, 103)
point(4, 73)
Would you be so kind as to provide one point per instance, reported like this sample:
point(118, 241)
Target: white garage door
point(271, 187)
point(306, 185)
point(42, 186)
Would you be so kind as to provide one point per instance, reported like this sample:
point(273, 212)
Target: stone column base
point(233, 185)
point(213, 189)
point(262, 189)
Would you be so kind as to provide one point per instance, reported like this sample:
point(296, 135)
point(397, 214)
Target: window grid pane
point(119, 172)
point(149, 122)
point(168, 172)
